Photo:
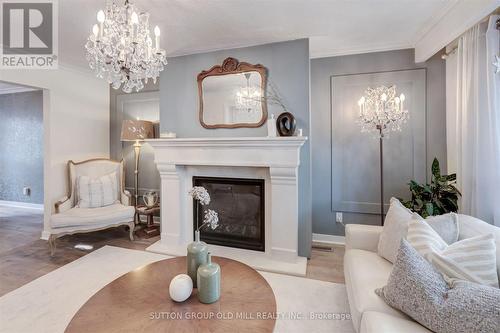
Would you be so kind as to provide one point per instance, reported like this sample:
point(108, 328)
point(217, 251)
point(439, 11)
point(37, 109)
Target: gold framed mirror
point(232, 95)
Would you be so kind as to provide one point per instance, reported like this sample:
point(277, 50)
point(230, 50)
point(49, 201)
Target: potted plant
point(438, 197)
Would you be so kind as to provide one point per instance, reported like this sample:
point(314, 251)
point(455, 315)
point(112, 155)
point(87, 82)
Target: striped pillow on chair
point(99, 192)
point(472, 259)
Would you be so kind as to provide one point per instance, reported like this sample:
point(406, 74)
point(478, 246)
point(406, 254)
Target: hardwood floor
point(25, 257)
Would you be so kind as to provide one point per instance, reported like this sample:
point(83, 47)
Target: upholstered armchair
point(71, 219)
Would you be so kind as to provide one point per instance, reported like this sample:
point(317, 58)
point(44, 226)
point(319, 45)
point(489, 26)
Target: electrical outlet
point(338, 217)
point(27, 191)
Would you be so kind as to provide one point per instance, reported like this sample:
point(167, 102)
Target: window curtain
point(473, 120)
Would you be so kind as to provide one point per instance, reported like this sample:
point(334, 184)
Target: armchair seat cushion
point(88, 217)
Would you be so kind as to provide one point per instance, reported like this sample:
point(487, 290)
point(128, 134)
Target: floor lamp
point(137, 131)
point(381, 111)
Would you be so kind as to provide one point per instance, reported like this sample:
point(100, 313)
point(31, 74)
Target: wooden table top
point(139, 301)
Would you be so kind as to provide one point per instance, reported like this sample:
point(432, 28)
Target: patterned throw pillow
point(417, 289)
point(99, 192)
point(472, 259)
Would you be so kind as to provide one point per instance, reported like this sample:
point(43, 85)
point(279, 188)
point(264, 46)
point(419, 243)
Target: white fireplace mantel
point(177, 158)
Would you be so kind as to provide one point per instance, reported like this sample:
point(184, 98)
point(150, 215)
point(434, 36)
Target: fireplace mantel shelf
point(273, 152)
point(294, 141)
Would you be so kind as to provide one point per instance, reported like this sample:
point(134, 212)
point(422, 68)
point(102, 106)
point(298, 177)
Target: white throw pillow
point(472, 259)
point(99, 192)
point(396, 228)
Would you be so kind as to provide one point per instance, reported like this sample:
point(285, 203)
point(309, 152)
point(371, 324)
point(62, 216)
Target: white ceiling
point(335, 27)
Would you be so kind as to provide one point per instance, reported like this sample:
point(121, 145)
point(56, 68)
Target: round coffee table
point(139, 302)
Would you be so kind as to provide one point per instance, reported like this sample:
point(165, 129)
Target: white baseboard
point(27, 205)
point(45, 235)
point(329, 239)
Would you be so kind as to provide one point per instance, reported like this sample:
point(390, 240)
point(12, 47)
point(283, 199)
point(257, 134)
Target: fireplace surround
point(276, 160)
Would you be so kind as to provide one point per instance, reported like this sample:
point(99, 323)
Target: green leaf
point(452, 177)
point(429, 208)
point(436, 171)
point(438, 197)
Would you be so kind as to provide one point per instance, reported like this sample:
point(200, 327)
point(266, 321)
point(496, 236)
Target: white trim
point(328, 239)
point(360, 50)
point(45, 235)
point(460, 17)
point(27, 205)
point(15, 89)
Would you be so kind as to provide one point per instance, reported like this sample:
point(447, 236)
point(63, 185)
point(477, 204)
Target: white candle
point(100, 18)
point(134, 19)
point(157, 38)
point(300, 131)
point(95, 30)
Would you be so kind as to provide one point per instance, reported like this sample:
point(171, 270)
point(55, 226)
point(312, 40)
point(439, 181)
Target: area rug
point(48, 303)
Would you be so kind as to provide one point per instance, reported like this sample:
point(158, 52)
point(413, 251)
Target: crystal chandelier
point(380, 110)
point(248, 98)
point(121, 50)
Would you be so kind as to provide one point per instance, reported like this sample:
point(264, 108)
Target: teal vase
point(196, 255)
point(208, 281)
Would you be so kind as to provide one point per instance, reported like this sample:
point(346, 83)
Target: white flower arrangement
point(211, 217)
point(201, 194)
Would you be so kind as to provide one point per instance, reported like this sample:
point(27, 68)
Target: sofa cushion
point(395, 229)
point(472, 259)
point(75, 217)
point(417, 289)
point(364, 272)
point(379, 322)
point(470, 226)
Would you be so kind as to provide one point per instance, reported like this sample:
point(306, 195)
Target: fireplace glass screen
point(240, 205)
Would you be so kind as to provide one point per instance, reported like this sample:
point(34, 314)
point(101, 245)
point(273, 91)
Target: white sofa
point(366, 271)
point(69, 219)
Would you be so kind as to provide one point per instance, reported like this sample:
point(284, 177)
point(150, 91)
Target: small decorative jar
point(208, 281)
point(196, 255)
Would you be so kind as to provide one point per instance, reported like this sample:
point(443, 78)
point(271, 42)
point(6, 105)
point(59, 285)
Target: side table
point(150, 230)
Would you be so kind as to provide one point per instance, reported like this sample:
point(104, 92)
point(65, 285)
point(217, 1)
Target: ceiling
point(335, 27)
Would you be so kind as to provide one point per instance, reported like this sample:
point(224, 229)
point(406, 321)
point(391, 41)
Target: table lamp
point(137, 130)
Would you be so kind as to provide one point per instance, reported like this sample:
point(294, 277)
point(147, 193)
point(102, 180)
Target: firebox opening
point(240, 203)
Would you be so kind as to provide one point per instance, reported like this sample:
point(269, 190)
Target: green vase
point(208, 281)
point(196, 256)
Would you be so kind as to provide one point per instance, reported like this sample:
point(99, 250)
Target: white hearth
point(276, 160)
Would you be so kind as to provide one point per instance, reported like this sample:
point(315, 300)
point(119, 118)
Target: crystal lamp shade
point(121, 50)
point(381, 111)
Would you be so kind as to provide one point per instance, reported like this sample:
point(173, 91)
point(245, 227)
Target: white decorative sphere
point(181, 287)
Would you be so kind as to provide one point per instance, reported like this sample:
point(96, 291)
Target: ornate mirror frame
point(233, 66)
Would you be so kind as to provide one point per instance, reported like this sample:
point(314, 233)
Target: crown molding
point(361, 50)
point(15, 89)
point(458, 19)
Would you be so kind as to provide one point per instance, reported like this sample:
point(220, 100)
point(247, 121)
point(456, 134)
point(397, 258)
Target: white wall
point(76, 122)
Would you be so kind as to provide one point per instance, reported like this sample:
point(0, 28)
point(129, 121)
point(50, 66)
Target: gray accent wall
point(21, 148)
point(322, 127)
point(288, 69)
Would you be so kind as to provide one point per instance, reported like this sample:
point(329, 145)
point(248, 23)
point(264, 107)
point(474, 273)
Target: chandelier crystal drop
point(121, 50)
point(248, 97)
point(381, 111)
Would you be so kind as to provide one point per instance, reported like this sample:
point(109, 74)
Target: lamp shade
point(133, 130)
